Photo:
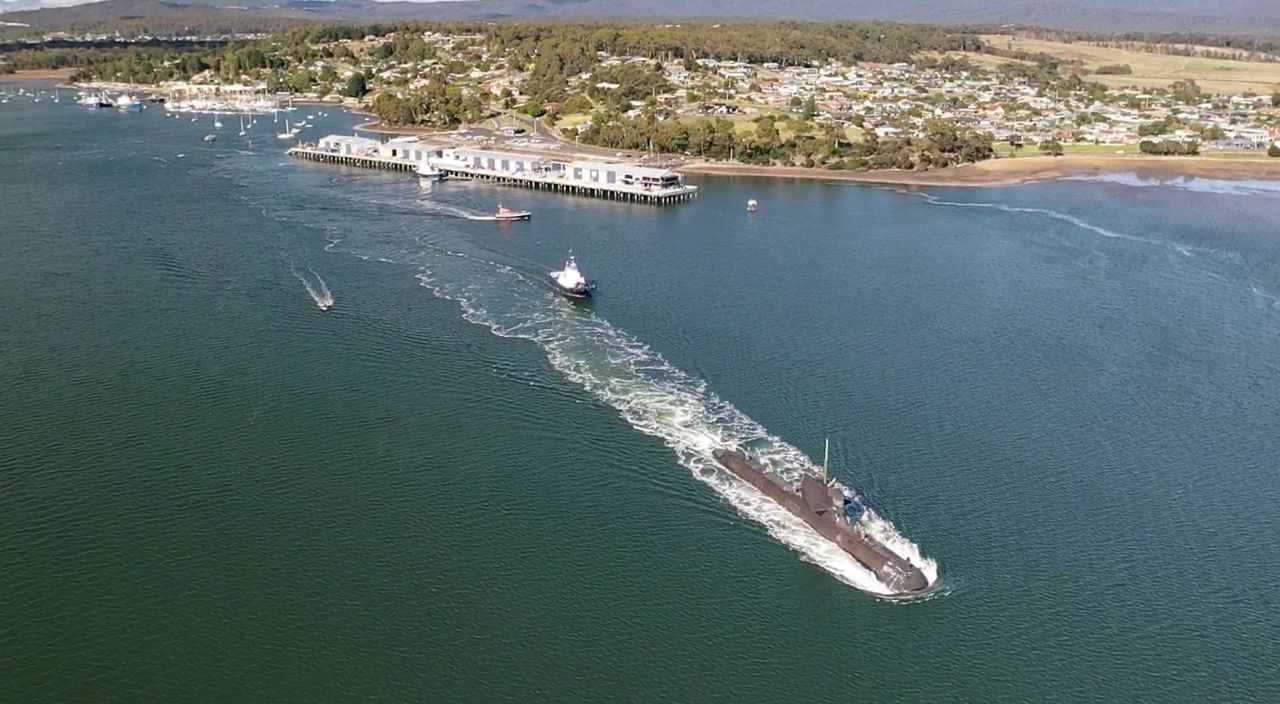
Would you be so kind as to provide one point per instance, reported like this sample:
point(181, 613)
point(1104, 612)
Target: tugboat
point(570, 282)
point(505, 214)
point(834, 513)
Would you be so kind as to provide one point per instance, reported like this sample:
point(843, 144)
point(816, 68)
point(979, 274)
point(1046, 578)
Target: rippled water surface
point(1062, 399)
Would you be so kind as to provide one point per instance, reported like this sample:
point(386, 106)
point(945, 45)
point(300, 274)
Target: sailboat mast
point(826, 455)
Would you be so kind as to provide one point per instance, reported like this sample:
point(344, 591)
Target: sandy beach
point(1011, 172)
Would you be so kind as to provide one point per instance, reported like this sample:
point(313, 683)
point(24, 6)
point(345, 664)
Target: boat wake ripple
point(1064, 217)
point(455, 211)
point(653, 397)
point(317, 289)
point(613, 366)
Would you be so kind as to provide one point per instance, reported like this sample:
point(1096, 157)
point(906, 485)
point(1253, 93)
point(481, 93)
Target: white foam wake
point(650, 394)
point(1064, 217)
point(439, 208)
point(318, 290)
point(655, 398)
point(1195, 184)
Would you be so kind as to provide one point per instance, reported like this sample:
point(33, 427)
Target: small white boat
point(429, 173)
point(94, 101)
point(127, 103)
point(210, 137)
point(752, 205)
point(570, 282)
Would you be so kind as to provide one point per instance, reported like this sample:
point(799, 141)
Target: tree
point(1185, 91)
point(1152, 129)
point(356, 86)
point(810, 108)
point(1051, 147)
point(1273, 151)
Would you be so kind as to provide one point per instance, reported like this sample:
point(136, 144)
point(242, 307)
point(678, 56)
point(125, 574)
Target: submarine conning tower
point(836, 517)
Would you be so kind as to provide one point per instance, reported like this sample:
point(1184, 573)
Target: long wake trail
point(318, 290)
point(612, 365)
point(1046, 212)
point(655, 398)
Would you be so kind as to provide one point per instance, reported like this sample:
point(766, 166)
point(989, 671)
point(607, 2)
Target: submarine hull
point(892, 570)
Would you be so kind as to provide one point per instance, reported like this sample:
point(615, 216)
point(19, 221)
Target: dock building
point(612, 179)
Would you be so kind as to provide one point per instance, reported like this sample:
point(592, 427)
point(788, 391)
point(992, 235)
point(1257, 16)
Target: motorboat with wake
point(835, 513)
point(570, 282)
point(506, 214)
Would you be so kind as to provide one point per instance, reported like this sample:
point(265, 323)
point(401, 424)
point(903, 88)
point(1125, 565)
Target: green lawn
point(1004, 150)
point(1086, 148)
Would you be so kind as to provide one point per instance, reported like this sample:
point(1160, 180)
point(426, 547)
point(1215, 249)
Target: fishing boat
point(127, 103)
point(570, 282)
point(506, 214)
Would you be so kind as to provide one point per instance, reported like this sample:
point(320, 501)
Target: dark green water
point(456, 487)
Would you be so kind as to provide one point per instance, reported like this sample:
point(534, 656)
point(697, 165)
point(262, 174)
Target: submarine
point(835, 516)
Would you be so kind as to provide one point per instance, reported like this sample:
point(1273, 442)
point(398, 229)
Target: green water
point(455, 486)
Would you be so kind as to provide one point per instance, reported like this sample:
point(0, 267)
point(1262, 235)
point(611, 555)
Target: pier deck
point(546, 180)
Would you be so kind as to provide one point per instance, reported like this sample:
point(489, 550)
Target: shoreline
point(1018, 171)
point(376, 127)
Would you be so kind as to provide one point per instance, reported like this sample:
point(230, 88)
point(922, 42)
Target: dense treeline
point(1169, 147)
point(437, 104)
point(556, 51)
point(809, 144)
point(1209, 46)
point(226, 24)
point(140, 63)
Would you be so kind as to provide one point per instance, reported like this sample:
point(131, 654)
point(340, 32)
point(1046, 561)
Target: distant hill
point(1256, 17)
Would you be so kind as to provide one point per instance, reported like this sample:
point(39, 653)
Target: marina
point(612, 180)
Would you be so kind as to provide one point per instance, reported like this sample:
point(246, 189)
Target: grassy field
point(1154, 70)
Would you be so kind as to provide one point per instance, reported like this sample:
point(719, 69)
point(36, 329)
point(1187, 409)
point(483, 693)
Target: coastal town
point(915, 102)
point(1035, 103)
